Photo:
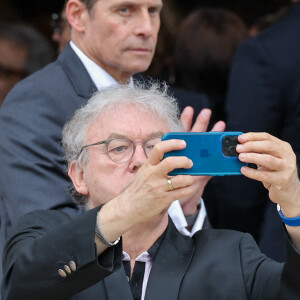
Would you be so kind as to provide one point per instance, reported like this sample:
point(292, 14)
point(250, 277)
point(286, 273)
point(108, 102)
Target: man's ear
point(76, 14)
point(76, 174)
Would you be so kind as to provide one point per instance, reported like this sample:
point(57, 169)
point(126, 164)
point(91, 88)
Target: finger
point(180, 181)
point(265, 160)
point(183, 192)
point(268, 178)
point(257, 136)
point(170, 163)
point(265, 146)
point(186, 118)
point(202, 121)
point(157, 154)
point(219, 126)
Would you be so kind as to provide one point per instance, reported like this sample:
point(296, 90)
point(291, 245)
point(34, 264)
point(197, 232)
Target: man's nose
point(138, 158)
point(145, 26)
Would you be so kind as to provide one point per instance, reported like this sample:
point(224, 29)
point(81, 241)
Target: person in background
point(23, 51)
point(263, 95)
point(205, 46)
point(266, 21)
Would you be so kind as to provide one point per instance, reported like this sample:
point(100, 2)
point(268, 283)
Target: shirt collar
point(151, 253)
point(99, 76)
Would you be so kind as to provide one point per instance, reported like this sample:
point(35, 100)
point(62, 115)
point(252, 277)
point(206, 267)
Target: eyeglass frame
point(107, 142)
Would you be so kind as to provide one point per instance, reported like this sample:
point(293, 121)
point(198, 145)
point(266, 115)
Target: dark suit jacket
point(264, 95)
point(214, 264)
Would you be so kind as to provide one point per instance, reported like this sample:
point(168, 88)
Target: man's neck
point(117, 74)
point(141, 237)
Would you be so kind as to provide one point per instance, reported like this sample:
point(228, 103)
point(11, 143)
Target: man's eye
point(124, 10)
point(118, 149)
point(153, 10)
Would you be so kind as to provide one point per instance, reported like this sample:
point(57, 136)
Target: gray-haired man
point(116, 163)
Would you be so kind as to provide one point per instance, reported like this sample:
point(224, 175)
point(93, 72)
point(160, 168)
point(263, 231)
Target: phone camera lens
point(227, 141)
point(235, 140)
point(232, 151)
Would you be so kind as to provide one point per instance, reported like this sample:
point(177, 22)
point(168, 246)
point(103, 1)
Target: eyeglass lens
point(121, 150)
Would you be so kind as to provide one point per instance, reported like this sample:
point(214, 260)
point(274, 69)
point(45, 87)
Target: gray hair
point(150, 97)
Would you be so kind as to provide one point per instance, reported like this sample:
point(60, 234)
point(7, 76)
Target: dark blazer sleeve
point(45, 241)
point(267, 279)
point(33, 171)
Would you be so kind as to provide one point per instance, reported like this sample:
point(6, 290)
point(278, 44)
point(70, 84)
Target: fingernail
point(239, 147)
point(242, 138)
point(244, 170)
point(206, 113)
point(182, 143)
point(191, 163)
point(189, 110)
point(242, 156)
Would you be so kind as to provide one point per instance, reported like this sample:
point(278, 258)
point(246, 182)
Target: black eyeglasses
point(122, 150)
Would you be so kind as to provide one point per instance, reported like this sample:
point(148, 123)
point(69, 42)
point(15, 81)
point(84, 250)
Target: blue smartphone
point(212, 153)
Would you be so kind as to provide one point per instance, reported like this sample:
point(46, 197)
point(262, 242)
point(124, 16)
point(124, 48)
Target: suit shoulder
point(222, 236)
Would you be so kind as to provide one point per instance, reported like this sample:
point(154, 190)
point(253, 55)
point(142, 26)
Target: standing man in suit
point(264, 95)
point(116, 160)
point(111, 41)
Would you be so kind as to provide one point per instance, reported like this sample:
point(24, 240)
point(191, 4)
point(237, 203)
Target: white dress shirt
point(99, 76)
point(177, 215)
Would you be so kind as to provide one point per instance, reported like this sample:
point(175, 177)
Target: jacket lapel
point(76, 73)
point(170, 265)
point(117, 286)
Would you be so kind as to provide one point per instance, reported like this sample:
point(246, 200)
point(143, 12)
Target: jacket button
point(62, 273)
point(72, 265)
point(67, 269)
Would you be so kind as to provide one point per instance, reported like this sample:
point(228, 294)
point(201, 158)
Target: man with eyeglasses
point(117, 166)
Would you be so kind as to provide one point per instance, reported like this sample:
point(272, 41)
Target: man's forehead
point(129, 121)
point(134, 2)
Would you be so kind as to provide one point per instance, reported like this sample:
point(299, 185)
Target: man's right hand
point(149, 194)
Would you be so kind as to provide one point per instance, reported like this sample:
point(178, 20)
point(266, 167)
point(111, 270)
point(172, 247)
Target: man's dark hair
point(38, 48)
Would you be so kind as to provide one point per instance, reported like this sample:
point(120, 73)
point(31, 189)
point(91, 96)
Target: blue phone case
point(205, 150)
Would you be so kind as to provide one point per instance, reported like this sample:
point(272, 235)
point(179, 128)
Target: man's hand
point(277, 170)
point(149, 194)
point(189, 205)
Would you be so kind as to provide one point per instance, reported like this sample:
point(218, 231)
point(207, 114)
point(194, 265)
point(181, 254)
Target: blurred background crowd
point(46, 21)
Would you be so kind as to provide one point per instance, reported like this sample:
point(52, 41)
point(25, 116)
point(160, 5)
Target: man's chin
point(139, 64)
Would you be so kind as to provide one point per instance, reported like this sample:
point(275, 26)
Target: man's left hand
point(189, 205)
